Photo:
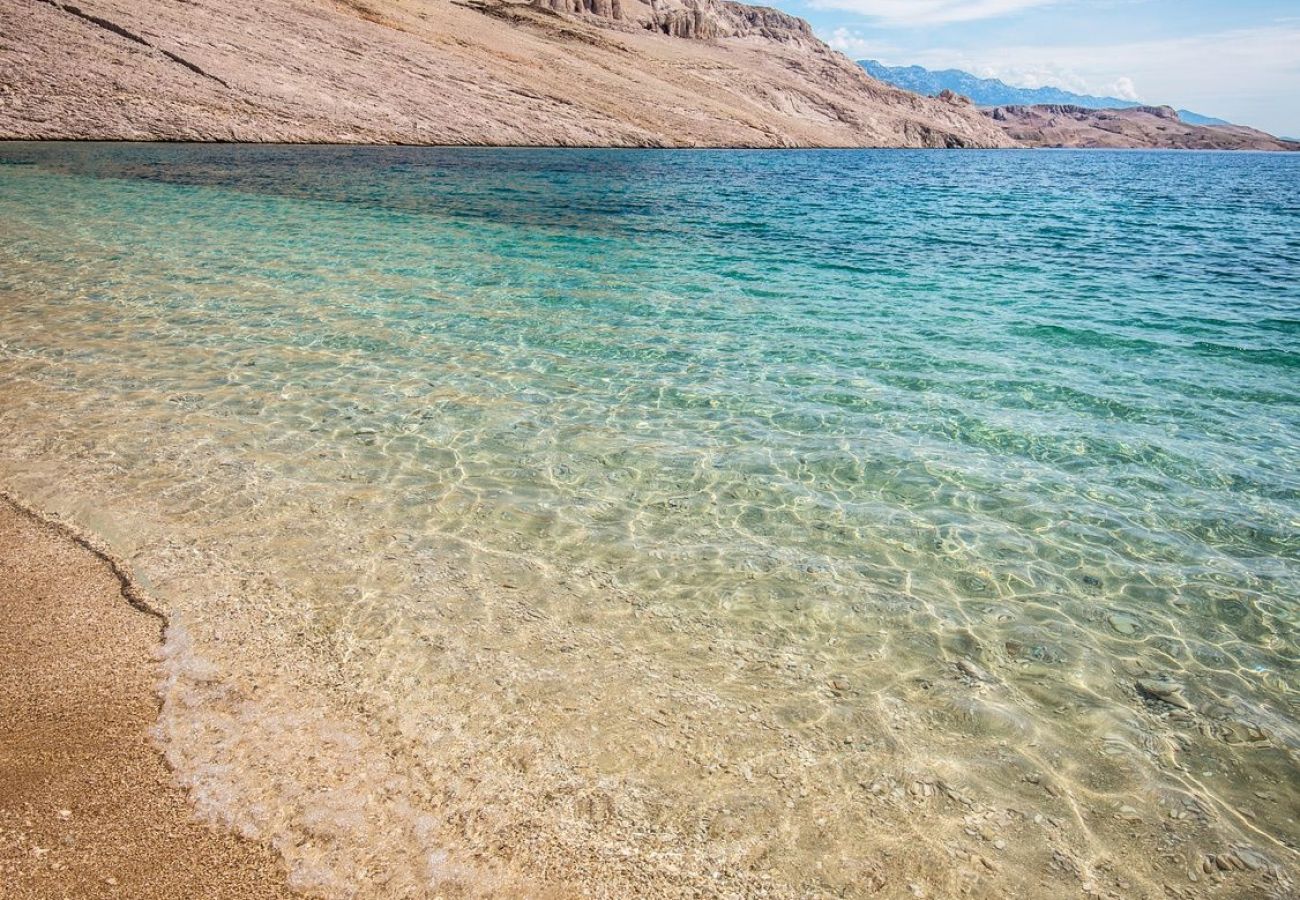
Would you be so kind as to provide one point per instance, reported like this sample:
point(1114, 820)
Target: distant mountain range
point(992, 92)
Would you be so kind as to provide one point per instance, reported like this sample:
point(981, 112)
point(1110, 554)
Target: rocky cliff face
point(1142, 127)
point(692, 19)
point(519, 72)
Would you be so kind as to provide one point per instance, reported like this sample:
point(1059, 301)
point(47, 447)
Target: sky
point(1234, 59)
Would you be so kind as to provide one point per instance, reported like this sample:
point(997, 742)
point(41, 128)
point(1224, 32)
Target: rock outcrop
point(514, 72)
point(692, 19)
point(606, 9)
point(1141, 127)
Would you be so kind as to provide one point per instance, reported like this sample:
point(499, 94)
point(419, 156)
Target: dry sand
point(87, 807)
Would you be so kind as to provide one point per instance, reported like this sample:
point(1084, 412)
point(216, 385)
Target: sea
point(618, 523)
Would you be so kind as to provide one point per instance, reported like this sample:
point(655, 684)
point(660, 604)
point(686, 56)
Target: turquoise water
point(808, 517)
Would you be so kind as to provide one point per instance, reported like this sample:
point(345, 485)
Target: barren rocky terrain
point(553, 72)
point(1152, 127)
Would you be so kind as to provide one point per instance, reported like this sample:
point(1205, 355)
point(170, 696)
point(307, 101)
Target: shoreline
point(656, 148)
point(87, 805)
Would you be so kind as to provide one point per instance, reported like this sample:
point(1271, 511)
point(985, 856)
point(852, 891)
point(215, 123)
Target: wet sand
point(87, 806)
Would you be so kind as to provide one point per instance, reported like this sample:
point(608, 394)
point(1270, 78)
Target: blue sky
point(1237, 60)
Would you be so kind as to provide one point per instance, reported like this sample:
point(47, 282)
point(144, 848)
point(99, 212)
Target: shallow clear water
point(705, 522)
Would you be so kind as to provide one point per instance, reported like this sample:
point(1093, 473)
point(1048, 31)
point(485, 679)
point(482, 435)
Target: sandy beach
point(87, 806)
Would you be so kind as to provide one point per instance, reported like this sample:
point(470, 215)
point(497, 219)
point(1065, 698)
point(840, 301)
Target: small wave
point(1262, 356)
point(1061, 335)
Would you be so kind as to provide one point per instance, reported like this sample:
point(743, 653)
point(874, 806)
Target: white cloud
point(930, 12)
point(1123, 88)
point(852, 44)
point(1052, 74)
point(1035, 76)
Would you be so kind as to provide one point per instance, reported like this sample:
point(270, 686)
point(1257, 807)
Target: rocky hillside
point(1151, 127)
point(526, 72)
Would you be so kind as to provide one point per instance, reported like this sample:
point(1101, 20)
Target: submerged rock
point(1166, 690)
point(1122, 624)
point(973, 671)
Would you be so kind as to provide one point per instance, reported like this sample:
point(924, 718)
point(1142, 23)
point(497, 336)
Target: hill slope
point(1154, 127)
point(566, 72)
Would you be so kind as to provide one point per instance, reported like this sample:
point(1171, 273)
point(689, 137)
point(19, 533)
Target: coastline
point(631, 147)
point(87, 805)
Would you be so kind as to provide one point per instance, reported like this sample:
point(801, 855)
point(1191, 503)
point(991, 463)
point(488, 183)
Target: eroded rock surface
point(562, 72)
point(1152, 127)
